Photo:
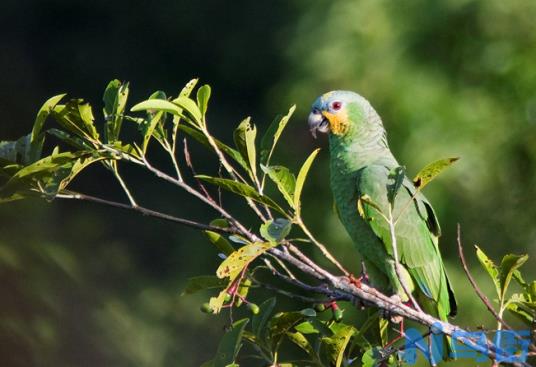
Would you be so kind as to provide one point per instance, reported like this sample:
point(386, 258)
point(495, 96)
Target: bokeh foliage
point(87, 286)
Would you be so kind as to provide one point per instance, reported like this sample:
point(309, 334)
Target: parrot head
point(340, 113)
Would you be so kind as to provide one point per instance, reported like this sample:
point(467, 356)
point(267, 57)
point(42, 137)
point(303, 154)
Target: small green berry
point(320, 307)
point(238, 302)
point(227, 298)
point(205, 307)
point(253, 308)
point(337, 314)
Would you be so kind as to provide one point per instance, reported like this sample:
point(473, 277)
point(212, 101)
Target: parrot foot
point(395, 319)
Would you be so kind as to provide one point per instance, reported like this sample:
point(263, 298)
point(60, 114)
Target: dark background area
point(84, 285)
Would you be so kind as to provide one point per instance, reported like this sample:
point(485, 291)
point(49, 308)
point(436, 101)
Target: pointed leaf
point(509, 264)
point(157, 104)
point(300, 181)
point(430, 171)
point(244, 139)
point(185, 92)
point(259, 320)
point(490, 267)
point(38, 137)
point(272, 135)
point(285, 181)
point(220, 242)
point(241, 189)
point(233, 265)
point(188, 105)
point(230, 344)
point(115, 100)
point(336, 344)
point(201, 138)
point(203, 95)
point(301, 341)
point(202, 282)
point(77, 117)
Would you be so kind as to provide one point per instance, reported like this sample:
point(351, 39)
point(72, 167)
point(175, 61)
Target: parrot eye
point(336, 105)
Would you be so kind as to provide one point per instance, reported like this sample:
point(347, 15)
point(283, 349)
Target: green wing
point(417, 231)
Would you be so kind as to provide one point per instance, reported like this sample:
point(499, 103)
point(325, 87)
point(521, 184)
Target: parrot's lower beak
point(317, 122)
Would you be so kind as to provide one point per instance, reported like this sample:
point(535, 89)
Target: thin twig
point(477, 289)
point(146, 212)
point(321, 247)
point(189, 164)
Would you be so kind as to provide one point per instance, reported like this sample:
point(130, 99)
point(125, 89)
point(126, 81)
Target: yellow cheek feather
point(338, 123)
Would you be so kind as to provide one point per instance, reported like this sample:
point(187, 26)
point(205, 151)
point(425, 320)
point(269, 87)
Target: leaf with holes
point(37, 136)
point(431, 171)
point(490, 267)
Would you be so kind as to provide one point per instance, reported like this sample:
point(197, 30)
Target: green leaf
point(336, 344)
point(156, 104)
point(284, 179)
point(241, 189)
point(370, 357)
point(202, 282)
point(259, 321)
point(275, 230)
point(282, 323)
point(300, 181)
point(149, 129)
point(244, 139)
point(77, 117)
point(233, 266)
point(188, 105)
point(18, 151)
point(230, 344)
point(490, 267)
point(430, 171)
point(201, 138)
point(301, 341)
point(509, 264)
point(70, 139)
point(220, 242)
point(272, 135)
point(185, 92)
point(48, 175)
point(115, 100)
point(203, 95)
point(396, 178)
point(37, 136)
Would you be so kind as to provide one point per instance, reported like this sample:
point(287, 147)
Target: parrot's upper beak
point(317, 122)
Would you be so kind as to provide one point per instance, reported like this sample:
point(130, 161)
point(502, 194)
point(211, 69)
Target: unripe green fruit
point(253, 308)
point(205, 307)
point(337, 314)
point(320, 307)
point(238, 302)
point(227, 298)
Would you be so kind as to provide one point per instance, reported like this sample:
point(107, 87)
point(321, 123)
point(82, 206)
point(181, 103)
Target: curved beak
point(317, 122)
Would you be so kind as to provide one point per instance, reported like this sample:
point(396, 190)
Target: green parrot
point(361, 164)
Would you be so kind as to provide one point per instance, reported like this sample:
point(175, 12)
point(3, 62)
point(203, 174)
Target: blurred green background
point(83, 285)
